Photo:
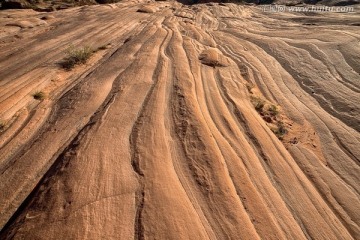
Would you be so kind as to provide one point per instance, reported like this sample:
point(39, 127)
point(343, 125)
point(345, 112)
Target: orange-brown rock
point(145, 140)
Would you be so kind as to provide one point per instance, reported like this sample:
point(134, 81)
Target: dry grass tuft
point(273, 110)
point(39, 95)
point(76, 56)
point(258, 104)
point(280, 130)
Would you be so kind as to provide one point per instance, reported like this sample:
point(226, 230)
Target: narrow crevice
point(135, 156)
point(140, 193)
point(138, 226)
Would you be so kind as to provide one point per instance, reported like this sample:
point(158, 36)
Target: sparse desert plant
point(258, 104)
point(76, 56)
point(39, 95)
point(273, 110)
point(280, 130)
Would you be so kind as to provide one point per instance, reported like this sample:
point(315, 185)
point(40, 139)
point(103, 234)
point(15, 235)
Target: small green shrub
point(76, 56)
point(39, 95)
point(258, 104)
point(280, 130)
point(273, 110)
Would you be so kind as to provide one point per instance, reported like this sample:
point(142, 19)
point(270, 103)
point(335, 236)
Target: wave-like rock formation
point(214, 121)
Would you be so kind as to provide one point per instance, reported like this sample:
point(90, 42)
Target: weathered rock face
point(47, 6)
point(106, 1)
point(148, 8)
point(280, 2)
point(213, 57)
point(15, 4)
point(213, 121)
point(62, 4)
